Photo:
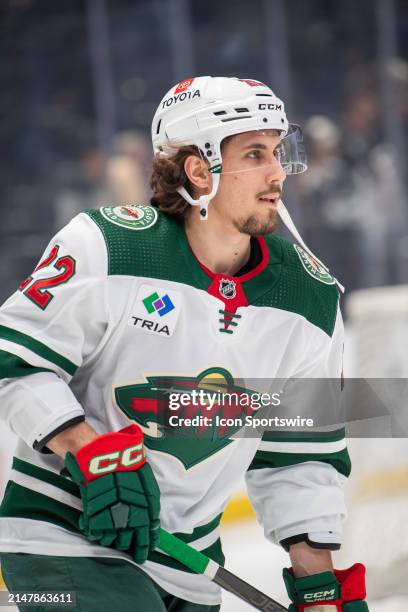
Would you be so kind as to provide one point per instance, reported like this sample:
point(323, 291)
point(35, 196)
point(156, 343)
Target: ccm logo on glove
point(320, 596)
point(119, 452)
point(111, 461)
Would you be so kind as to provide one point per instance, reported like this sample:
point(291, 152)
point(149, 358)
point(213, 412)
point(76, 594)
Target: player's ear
point(197, 172)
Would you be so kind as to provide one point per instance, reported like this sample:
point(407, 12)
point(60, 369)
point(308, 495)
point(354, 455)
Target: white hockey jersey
point(118, 310)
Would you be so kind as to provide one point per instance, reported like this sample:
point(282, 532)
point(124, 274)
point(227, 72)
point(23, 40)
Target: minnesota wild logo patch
point(213, 392)
point(313, 267)
point(131, 216)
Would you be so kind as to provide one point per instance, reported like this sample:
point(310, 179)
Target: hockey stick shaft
point(201, 564)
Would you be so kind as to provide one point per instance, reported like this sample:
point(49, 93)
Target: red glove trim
point(352, 582)
point(120, 451)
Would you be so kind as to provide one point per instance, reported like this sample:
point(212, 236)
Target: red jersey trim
point(249, 275)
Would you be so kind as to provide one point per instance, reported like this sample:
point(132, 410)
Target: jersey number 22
point(38, 291)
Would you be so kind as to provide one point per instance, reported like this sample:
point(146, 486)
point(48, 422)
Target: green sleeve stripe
point(46, 475)
point(340, 460)
point(12, 366)
point(70, 487)
point(199, 532)
point(307, 436)
point(308, 448)
point(22, 502)
point(38, 347)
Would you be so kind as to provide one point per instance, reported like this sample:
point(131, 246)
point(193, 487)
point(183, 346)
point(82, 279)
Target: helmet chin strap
point(204, 200)
point(287, 220)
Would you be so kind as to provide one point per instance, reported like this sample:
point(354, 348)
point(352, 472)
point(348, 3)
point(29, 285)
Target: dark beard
point(255, 227)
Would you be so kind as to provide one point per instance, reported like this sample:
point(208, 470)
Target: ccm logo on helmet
point(320, 596)
point(103, 464)
point(270, 106)
point(186, 95)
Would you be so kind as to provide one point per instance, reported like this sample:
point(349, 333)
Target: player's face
point(251, 182)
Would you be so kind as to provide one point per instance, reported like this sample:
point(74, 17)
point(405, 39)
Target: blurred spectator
point(79, 185)
point(361, 122)
point(327, 198)
point(95, 180)
point(126, 169)
point(353, 209)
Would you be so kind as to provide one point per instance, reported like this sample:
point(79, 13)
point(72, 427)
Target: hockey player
point(132, 304)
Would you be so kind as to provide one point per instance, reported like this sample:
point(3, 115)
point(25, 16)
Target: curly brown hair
point(168, 175)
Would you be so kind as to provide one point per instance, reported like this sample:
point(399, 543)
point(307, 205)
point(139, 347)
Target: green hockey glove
point(120, 495)
point(340, 590)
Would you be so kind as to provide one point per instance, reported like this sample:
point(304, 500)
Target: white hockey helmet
point(202, 111)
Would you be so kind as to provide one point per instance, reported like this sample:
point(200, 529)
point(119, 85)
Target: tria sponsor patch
point(313, 267)
point(155, 310)
point(183, 85)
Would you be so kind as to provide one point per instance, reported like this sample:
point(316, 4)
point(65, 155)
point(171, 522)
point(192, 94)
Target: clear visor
point(293, 154)
point(290, 154)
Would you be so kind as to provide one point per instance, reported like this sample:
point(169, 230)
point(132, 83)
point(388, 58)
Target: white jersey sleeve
point(49, 327)
point(295, 482)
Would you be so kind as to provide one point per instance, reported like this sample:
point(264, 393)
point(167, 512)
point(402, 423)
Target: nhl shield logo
point(227, 288)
